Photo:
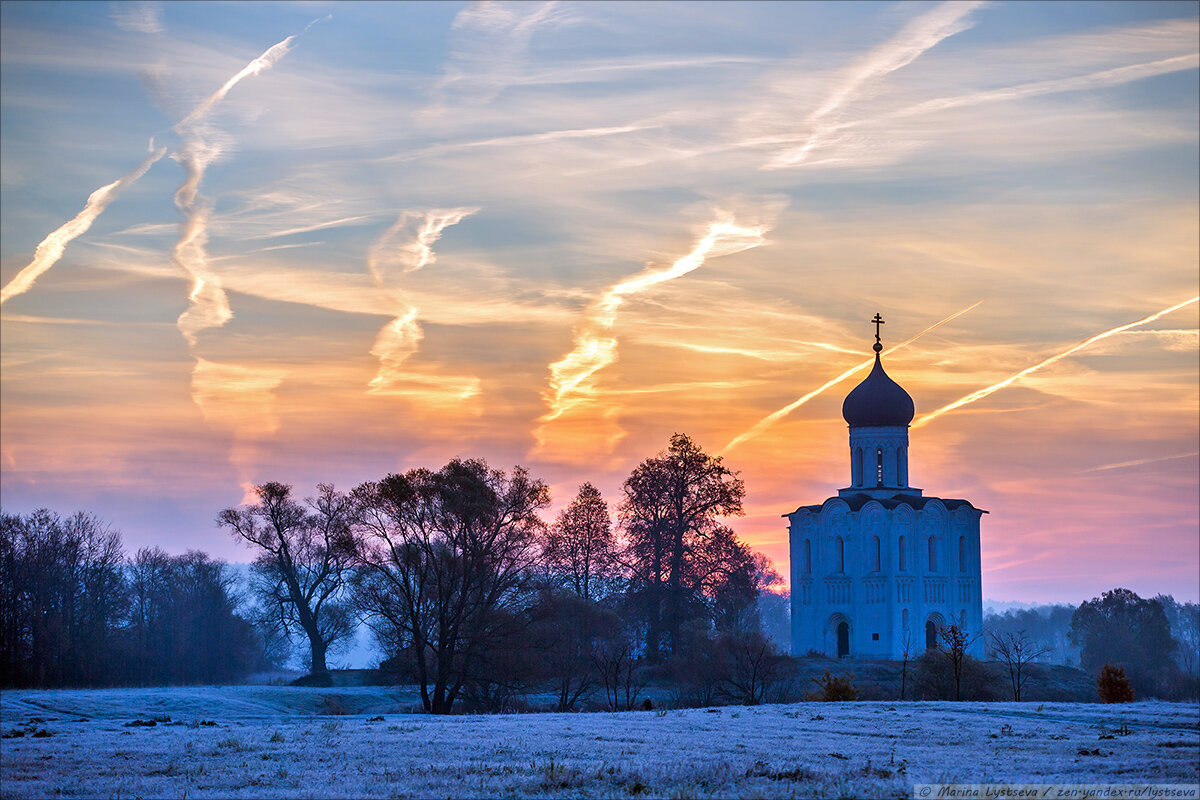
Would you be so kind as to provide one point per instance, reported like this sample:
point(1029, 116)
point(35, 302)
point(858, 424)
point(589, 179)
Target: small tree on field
point(955, 641)
point(905, 657)
point(1113, 686)
point(618, 672)
point(751, 666)
point(1017, 651)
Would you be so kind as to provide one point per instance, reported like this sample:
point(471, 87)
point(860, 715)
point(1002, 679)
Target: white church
point(882, 565)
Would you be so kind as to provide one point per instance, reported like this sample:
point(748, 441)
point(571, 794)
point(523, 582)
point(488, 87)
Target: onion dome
point(878, 401)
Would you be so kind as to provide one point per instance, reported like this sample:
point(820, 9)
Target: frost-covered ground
point(258, 742)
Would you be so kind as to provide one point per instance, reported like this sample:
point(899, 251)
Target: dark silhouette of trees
point(63, 598)
point(567, 634)
point(75, 612)
point(1125, 630)
point(1017, 651)
point(446, 562)
point(305, 551)
point(581, 549)
point(183, 622)
point(676, 548)
point(1184, 619)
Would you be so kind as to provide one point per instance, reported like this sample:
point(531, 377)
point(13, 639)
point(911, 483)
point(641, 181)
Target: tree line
point(474, 597)
point(75, 610)
point(478, 601)
point(1156, 640)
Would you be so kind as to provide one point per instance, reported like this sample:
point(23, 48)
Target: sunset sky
point(320, 242)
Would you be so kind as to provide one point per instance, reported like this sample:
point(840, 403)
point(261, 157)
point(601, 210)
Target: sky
point(320, 242)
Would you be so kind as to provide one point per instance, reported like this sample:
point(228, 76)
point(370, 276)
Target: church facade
point(882, 566)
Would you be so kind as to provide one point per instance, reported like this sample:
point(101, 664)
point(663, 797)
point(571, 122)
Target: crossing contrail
point(771, 419)
point(208, 306)
point(51, 249)
point(595, 348)
point(982, 393)
point(918, 36)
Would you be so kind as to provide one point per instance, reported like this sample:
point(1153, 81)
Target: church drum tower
point(881, 565)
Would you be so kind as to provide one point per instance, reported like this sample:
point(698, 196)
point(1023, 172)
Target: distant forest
point(479, 602)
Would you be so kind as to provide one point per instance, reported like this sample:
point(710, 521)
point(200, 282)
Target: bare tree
point(955, 641)
point(446, 560)
point(751, 666)
point(305, 552)
point(623, 682)
point(1017, 651)
point(580, 546)
point(905, 657)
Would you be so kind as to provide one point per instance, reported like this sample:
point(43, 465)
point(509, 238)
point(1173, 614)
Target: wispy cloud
point(491, 41)
point(982, 393)
point(406, 247)
point(51, 249)
point(137, 17)
point(1137, 462)
point(769, 420)
point(918, 36)
point(1095, 80)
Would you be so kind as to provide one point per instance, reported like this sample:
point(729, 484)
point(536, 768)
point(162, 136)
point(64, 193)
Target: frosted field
point(259, 742)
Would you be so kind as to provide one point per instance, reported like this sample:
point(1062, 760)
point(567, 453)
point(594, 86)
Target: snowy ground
point(259, 742)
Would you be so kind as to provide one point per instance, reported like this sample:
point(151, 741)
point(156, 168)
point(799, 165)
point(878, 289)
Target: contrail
point(52, 247)
point(208, 307)
point(982, 393)
point(595, 348)
point(1138, 462)
point(770, 420)
point(260, 64)
point(400, 338)
point(1093, 80)
point(918, 36)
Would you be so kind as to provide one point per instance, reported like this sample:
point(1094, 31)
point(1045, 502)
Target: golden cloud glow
point(771, 419)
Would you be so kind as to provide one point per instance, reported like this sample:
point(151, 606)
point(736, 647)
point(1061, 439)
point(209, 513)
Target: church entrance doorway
point(843, 640)
point(931, 635)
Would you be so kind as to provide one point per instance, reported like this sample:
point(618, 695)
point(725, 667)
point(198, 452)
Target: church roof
point(878, 401)
point(857, 501)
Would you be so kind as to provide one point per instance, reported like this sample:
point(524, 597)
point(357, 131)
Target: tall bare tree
point(305, 550)
point(1017, 651)
point(580, 547)
point(670, 511)
point(447, 558)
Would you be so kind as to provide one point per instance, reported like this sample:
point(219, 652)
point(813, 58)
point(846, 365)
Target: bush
point(1113, 686)
point(834, 688)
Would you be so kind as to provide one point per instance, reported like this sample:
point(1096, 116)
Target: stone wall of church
point(864, 582)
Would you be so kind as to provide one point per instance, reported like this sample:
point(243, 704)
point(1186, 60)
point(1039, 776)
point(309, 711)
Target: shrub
point(1113, 686)
point(834, 688)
